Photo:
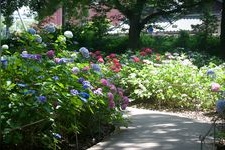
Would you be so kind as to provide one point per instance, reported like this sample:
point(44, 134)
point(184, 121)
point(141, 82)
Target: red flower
point(143, 53)
point(101, 60)
point(97, 52)
point(148, 50)
point(115, 61)
point(112, 56)
point(136, 59)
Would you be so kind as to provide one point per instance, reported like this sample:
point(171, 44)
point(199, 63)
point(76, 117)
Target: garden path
point(154, 130)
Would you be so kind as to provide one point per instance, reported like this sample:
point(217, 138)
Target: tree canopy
point(138, 12)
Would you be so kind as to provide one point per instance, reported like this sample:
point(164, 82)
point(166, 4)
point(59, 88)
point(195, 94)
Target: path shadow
point(150, 130)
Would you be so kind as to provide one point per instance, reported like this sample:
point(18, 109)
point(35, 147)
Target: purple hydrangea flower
point(112, 104)
point(50, 54)
point(84, 52)
point(74, 92)
point(42, 99)
point(31, 56)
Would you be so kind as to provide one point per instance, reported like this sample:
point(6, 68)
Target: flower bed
point(52, 97)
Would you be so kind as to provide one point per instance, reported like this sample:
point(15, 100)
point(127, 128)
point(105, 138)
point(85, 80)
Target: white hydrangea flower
point(5, 47)
point(24, 52)
point(68, 34)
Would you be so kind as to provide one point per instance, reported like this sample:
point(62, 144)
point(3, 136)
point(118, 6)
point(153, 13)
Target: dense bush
point(52, 98)
point(171, 81)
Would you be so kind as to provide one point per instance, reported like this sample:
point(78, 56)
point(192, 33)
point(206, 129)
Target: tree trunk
point(134, 34)
point(222, 34)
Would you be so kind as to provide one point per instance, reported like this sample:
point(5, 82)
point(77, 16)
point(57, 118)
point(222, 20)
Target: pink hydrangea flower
point(104, 82)
point(110, 96)
point(215, 87)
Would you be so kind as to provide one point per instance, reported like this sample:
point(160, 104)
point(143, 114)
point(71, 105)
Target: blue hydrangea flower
point(4, 62)
point(42, 99)
point(81, 80)
point(50, 28)
point(38, 38)
point(84, 96)
point(86, 84)
point(220, 106)
point(32, 31)
point(84, 52)
point(210, 73)
point(74, 92)
point(22, 85)
point(57, 136)
point(96, 67)
point(55, 78)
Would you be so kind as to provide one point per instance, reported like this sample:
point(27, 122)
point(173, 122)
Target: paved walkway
point(153, 130)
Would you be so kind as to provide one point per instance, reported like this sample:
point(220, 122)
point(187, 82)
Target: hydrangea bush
point(52, 97)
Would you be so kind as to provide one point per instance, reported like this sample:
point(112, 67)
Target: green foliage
point(44, 101)
point(173, 82)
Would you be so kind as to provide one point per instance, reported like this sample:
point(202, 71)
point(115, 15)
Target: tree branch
point(179, 8)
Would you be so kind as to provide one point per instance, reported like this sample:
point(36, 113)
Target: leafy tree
point(222, 35)
point(138, 12)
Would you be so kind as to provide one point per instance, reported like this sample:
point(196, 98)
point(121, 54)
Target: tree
point(138, 12)
point(222, 35)
point(138, 17)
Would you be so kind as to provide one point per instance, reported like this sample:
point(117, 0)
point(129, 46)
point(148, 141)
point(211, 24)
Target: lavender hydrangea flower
point(96, 67)
point(32, 31)
point(98, 91)
point(75, 70)
point(31, 56)
point(68, 34)
point(74, 92)
point(84, 52)
point(86, 84)
point(42, 99)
